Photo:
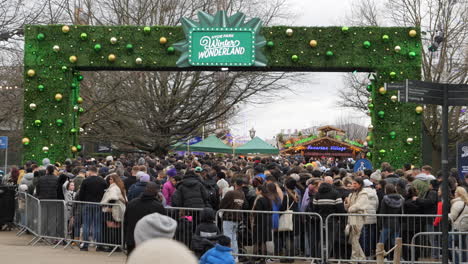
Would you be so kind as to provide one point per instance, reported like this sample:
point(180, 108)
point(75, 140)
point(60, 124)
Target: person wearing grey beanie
point(168, 251)
point(154, 225)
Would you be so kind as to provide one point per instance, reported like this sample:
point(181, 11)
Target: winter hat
point(109, 158)
point(141, 161)
point(376, 176)
point(144, 177)
point(198, 169)
point(171, 172)
point(23, 188)
point(46, 162)
point(168, 251)
point(154, 226)
point(295, 176)
point(367, 183)
point(139, 174)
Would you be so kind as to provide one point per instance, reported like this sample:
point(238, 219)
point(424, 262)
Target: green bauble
point(270, 44)
point(74, 86)
point(147, 30)
point(59, 122)
point(40, 36)
point(294, 58)
point(170, 50)
point(97, 47)
point(369, 155)
point(129, 47)
point(73, 130)
point(80, 77)
point(370, 144)
point(412, 54)
point(366, 44)
point(329, 53)
point(385, 38)
point(381, 114)
point(84, 36)
point(37, 122)
point(370, 106)
point(369, 87)
point(40, 87)
point(78, 147)
point(64, 68)
point(392, 134)
point(344, 29)
point(382, 152)
point(392, 74)
point(81, 110)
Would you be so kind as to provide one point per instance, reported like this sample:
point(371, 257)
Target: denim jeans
point(389, 233)
point(92, 218)
point(368, 239)
point(230, 230)
point(460, 242)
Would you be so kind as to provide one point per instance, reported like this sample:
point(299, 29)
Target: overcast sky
point(312, 102)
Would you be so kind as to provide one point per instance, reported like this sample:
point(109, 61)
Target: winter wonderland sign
point(222, 47)
point(221, 41)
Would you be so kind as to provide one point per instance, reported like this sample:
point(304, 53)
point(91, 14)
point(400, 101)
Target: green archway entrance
point(55, 55)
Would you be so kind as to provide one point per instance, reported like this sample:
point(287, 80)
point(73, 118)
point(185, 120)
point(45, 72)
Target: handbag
point(286, 219)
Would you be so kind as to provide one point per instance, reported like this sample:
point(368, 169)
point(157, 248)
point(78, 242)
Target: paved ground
point(15, 251)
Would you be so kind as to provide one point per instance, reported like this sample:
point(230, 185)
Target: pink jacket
point(168, 190)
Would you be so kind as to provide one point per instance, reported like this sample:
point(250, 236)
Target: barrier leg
point(397, 254)
point(380, 254)
point(113, 250)
point(34, 238)
point(58, 243)
point(21, 232)
point(37, 241)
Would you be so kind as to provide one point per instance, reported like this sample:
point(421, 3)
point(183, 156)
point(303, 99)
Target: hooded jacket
point(190, 193)
point(327, 201)
point(168, 190)
point(218, 255)
point(28, 180)
point(392, 204)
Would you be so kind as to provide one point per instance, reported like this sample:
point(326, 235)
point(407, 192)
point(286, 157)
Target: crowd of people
point(136, 193)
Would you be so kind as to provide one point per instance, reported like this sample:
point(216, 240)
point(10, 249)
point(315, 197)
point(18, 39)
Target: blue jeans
point(368, 238)
point(230, 230)
point(389, 233)
point(92, 218)
point(460, 242)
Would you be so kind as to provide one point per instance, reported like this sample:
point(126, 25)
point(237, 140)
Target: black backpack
point(213, 195)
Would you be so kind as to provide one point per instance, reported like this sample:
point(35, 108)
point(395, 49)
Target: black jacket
point(129, 181)
point(136, 190)
point(190, 193)
point(392, 204)
point(47, 187)
point(429, 202)
point(327, 201)
point(412, 207)
point(136, 210)
point(92, 189)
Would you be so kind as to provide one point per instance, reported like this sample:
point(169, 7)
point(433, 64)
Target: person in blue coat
point(220, 254)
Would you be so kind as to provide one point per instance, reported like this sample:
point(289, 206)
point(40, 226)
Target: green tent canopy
point(211, 144)
point(257, 145)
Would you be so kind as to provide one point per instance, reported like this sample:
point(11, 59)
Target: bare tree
point(355, 128)
point(444, 21)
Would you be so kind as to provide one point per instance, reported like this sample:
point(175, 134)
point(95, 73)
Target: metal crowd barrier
point(257, 234)
point(20, 212)
point(187, 220)
point(94, 223)
point(350, 239)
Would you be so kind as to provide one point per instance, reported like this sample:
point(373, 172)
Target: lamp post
point(252, 133)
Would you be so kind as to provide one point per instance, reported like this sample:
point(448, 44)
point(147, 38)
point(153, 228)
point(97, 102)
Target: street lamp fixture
point(252, 133)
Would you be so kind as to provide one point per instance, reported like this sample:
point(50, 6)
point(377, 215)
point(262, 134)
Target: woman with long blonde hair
point(114, 201)
point(459, 217)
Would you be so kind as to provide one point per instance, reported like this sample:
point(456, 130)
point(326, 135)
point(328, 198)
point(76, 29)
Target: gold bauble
point(394, 98)
point(163, 40)
point(112, 57)
point(368, 138)
point(289, 32)
point(397, 49)
point(138, 61)
point(370, 127)
point(73, 59)
point(45, 149)
point(409, 140)
point(419, 109)
point(58, 97)
point(382, 90)
point(113, 40)
point(313, 43)
point(25, 141)
point(412, 33)
point(65, 29)
point(31, 73)
point(74, 149)
point(56, 48)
